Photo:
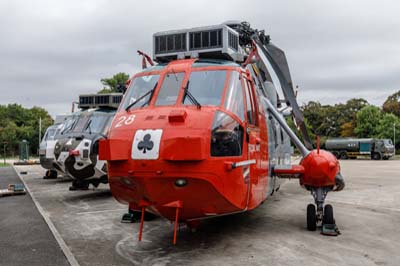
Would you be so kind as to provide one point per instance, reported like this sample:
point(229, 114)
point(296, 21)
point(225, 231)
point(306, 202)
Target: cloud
point(51, 51)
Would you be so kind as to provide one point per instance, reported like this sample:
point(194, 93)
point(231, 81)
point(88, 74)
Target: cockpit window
point(69, 125)
point(80, 124)
point(388, 142)
point(234, 96)
point(51, 131)
point(170, 88)
point(206, 87)
point(138, 88)
point(96, 124)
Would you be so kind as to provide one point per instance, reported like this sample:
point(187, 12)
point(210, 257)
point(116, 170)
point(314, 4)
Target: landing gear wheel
point(329, 227)
point(95, 182)
point(131, 217)
point(50, 174)
point(54, 174)
point(328, 215)
point(134, 216)
point(79, 185)
point(104, 179)
point(311, 217)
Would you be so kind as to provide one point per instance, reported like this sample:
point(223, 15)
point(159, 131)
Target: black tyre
point(328, 215)
point(53, 174)
point(376, 156)
point(311, 218)
point(50, 174)
point(47, 175)
point(148, 216)
point(95, 182)
point(337, 155)
point(343, 155)
point(79, 185)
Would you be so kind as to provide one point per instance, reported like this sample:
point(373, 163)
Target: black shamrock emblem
point(146, 143)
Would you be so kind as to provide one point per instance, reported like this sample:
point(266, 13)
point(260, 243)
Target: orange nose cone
point(321, 169)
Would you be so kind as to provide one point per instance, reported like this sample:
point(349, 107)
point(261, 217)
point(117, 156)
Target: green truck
point(351, 148)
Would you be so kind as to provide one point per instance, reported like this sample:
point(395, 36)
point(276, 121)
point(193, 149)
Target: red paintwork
point(145, 58)
point(318, 169)
point(321, 168)
point(73, 152)
point(119, 152)
point(213, 188)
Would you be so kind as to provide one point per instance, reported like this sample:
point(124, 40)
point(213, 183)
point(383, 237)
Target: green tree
point(111, 84)
point(385, 128)
point(36, 113)
point(8, 135)
point(347, 130)
point(392, 104)
point(368, 120)
point(20, 123)
point(347, 116)
point(291, 124)
point(333, 120)
point(315, 114)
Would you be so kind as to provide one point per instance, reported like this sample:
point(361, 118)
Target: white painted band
point(244, 163)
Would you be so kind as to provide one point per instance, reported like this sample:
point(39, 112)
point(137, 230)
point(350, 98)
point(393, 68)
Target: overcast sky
point(51, 51)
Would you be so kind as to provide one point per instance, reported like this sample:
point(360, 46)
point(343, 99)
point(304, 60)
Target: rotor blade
point(277, 59)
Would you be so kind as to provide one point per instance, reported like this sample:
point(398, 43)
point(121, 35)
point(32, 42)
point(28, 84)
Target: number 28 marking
point(124, 120)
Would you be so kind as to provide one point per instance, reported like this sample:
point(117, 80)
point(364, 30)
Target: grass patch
point(396, 157)
point(4, 164)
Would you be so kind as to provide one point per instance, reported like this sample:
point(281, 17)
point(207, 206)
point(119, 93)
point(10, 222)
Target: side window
point(250, 109)
point(50, 134)
point(226, 136)
point(234, 96)
point(170, 89)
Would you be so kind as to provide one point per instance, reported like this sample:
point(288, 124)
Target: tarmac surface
point(366, 211)
point(25, 238)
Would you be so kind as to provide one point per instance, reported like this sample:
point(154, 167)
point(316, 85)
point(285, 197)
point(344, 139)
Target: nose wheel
point(328, 215)
point(320, 215)
point(311, 218)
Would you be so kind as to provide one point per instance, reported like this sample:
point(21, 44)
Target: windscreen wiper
point(68, 129)
point(88, 127)
point(191, 97)
point(150, 92)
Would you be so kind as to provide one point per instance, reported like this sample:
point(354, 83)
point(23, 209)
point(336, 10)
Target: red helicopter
point(203, 133)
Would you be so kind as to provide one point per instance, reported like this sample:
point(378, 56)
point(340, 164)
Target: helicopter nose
point(184, 148)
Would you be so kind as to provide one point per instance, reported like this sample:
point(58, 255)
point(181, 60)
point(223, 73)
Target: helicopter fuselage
point(209, 156)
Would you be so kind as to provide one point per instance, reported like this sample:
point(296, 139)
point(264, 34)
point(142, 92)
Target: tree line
point(355, 118)
point(18, 123)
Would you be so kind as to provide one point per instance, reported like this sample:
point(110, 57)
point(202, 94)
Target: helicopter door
point(252, 130)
